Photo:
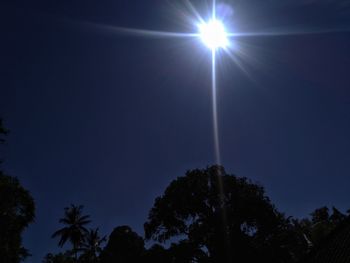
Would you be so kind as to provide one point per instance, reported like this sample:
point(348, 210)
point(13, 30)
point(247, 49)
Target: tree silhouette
point(17, 211)
point(74, 230)
point(124, 246)
point(91, 247)
point(218, 218)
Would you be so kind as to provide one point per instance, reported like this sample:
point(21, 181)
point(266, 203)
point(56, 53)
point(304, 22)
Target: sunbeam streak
point(136, 32)
point(215, 110)
point(194, 11)
point(152, 33)
point(289, 32)
point(238, 63)
point(166, 34)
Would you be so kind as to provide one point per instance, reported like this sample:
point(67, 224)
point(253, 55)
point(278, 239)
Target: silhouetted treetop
point(220, 215)
point(192, 201)
point(124, 246)
point(17, 211)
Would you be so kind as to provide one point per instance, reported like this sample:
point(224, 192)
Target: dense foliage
point(220, 218)
point(16, 213)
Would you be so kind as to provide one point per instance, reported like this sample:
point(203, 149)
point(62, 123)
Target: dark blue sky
point(108, 120)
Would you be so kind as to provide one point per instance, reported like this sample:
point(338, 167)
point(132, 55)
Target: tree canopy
point(124, 246)
point(17, 211)
point(219, 217)
point(321, 224)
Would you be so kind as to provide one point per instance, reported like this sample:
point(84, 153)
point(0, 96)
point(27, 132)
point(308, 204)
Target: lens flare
point(213, 34)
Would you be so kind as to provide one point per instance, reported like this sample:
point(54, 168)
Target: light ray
point(288, 33)
point(214, 10)
point(194, 10)
point(238, 63)
point(152, 33)
point(216, 130)
point(215, 110)
point(143, 32)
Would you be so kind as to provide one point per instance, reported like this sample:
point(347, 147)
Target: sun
point(213, 34)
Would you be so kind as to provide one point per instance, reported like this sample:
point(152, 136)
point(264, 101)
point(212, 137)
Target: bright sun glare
point(213, 34)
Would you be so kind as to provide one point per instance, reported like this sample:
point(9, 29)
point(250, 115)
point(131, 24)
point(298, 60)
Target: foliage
point(91, 247)
point(124, 246)
point(17, 211)
point(321, 224)
point(219, 218)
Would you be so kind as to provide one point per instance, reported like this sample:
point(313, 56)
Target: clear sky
point(108, 120)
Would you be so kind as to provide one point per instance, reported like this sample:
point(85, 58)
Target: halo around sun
point(213, 34)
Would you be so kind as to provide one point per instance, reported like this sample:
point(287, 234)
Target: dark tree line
point(205, 216)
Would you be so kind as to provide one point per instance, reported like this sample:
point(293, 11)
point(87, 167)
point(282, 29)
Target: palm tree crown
point(74, 230)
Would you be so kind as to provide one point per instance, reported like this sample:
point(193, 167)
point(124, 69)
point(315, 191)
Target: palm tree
point(92, 245)
point(74, 230)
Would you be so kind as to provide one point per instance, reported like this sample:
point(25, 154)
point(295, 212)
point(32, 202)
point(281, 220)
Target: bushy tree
point(219, 218)
point(17, 211)
point(124, 246)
